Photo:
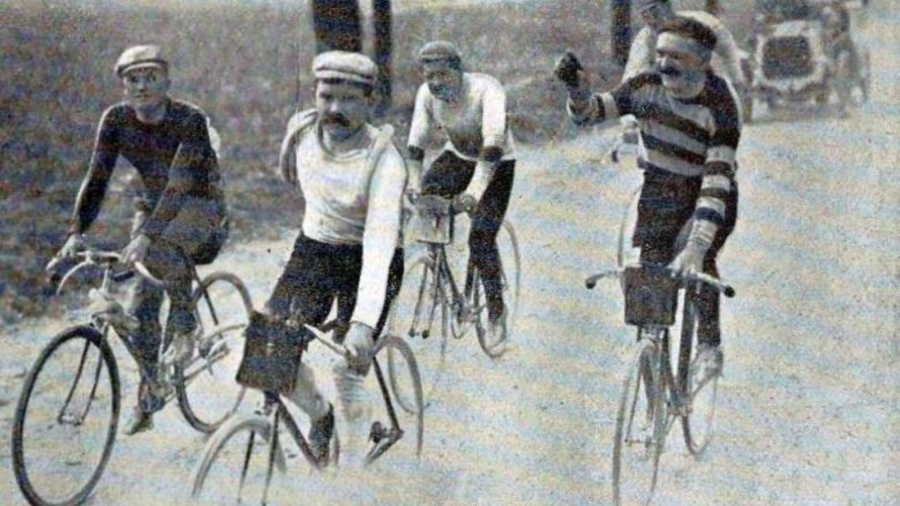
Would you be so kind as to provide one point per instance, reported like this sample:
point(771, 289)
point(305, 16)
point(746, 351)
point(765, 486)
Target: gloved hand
point(359, 343)
point(136, 250)
point(567, 69)
point(465, 202)
point(690, 259)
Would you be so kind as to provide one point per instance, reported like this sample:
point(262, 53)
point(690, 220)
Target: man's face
point(146, 87)
point(656, 16)
point(681, 62)
point(343, 108)
point(444, 81)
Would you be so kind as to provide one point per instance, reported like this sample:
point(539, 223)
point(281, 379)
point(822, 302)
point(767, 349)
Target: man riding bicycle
point(352, 180)
point(476, 165)
point(689, 122)
point(180, 219)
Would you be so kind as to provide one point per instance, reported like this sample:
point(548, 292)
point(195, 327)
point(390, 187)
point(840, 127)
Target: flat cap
point(642, 5)
point(439, 50)
point(345, 66)
point(140, 56)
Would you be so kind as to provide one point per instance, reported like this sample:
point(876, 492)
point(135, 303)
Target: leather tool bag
point(272, 353)
point(651, 296)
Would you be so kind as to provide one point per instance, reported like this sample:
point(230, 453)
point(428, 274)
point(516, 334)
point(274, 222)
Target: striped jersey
point(695, 137)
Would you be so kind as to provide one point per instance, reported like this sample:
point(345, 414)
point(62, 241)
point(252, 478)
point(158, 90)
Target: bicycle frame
point(102, 322)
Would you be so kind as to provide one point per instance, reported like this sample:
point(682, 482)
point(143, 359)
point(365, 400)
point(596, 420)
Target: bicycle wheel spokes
point(66, 419)
point(205, 383)
point(239, 463)
point(638, 437)
point(418, 310)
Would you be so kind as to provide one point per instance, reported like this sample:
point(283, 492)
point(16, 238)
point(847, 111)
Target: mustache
point(337, 119)
point(670, 71)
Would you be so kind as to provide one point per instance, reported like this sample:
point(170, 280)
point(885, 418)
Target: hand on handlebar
point(136, 250)
point(359, 344)
point(689, 261)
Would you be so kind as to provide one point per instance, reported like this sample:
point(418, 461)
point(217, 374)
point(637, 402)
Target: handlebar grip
point(729, 291)
point(119, 277)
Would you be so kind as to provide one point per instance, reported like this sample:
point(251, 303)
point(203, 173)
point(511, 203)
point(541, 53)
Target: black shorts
point(666, 205)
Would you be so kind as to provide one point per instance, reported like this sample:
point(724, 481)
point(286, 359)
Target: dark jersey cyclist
point(181, 217)
point(690, 125)
point(478, 161)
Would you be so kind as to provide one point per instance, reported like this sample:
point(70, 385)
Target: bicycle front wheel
point(205, 381)
point(640, 430)
point(239, 462)
point(699, 390)
point(66, 419)
point(420, 314)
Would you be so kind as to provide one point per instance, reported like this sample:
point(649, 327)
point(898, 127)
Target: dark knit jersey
point(174, 159)
point(696, 137)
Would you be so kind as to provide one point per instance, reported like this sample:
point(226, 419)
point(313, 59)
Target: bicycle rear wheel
point(205, 382)
point(698, 390)
point(239, 462)
point(420, 314)
point(640, 430)
point(66, 419)
point(510, 278)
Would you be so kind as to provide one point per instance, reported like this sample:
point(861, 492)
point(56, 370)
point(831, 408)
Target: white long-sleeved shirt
point(353, 198)
point(726, 55)
point(475, 121)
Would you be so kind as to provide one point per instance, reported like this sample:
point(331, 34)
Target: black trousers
point(171, 258)
point(318, 273)
point(449, 176)
point(665, 207)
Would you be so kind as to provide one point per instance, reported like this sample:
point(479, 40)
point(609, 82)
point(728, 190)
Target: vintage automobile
point(804, 55)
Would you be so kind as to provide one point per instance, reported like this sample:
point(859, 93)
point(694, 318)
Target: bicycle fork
point(67, 416)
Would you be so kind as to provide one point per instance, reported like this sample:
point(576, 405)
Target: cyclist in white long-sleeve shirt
point(352, 178)
point(476, 165)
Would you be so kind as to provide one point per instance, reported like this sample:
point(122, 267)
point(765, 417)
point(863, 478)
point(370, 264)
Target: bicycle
point(262, 431)
point(429, 286)
point(67, 414)
point(652, 396)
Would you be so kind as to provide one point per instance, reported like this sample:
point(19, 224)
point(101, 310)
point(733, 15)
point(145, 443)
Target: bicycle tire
point(402, 321)
point(218, 454)
point(27, 399)
point(698, 421)
point(201, 407)
point(400, 348)
point(511, 278)
point(643, 371)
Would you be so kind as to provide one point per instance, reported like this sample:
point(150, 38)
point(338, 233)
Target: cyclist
point(476, 165)
point(655, 13)
point(180, 219)
point(688, 118)
point(352, 179)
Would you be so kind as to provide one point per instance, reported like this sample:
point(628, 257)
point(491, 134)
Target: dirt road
point(809, 403)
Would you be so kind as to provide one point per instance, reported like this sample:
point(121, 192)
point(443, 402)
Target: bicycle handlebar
point(106, 259)
point(716, 283)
